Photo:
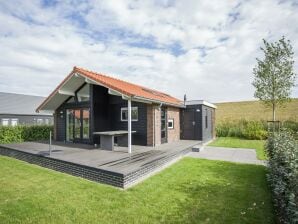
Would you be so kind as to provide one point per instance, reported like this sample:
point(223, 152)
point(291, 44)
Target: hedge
point(242, 129)
point(282, 150)
point(250, 129)
point(14, 134)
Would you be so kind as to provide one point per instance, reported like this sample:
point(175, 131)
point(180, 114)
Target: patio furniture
point(107, 138)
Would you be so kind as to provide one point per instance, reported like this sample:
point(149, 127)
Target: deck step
point(196, 148)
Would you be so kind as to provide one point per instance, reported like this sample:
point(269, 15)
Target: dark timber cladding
point(197, 122)
point(105, 115)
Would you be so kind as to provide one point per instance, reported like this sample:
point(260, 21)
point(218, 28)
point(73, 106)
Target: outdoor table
point(107, 138)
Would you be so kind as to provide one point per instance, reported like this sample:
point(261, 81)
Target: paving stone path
point(238, 155)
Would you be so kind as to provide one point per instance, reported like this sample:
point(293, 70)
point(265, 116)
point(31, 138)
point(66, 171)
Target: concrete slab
point(238, 155)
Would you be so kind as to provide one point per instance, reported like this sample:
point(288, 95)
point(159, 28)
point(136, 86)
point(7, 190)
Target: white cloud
point(137, 41)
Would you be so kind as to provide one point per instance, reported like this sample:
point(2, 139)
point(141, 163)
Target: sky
point(204, 49)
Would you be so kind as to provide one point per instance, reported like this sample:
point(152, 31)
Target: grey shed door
point(189, 124)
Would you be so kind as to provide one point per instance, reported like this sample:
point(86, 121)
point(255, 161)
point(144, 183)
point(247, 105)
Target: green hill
point(255, 110)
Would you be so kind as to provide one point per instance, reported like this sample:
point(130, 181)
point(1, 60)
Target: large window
point(134, 114)
point(83, 94)
point(69, 125)
point(77, 124)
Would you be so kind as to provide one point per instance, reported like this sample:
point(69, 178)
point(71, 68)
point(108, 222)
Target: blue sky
point(206, 49)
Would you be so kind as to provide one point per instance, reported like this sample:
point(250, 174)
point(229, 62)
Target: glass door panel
point(69, 125)
point(85, 118)
point(77, 124)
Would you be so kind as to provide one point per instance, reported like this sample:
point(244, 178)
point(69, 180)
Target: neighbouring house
point(86, 103)
point(19, 109)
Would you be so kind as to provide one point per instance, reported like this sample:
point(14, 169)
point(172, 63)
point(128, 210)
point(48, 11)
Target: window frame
point(79, 98)
point(39, 121)
point(171, 120)
point(14, 119)
point(5, 119)
point(126, 108)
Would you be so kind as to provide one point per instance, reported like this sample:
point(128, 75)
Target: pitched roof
point(19, 104)
point(123, 87)
point(128, 88)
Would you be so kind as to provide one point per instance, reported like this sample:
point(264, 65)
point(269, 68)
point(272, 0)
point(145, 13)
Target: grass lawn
point(258, 145)
point(190, 191)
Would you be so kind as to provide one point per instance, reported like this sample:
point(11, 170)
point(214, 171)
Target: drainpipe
point(129, 125)
point(153, 126)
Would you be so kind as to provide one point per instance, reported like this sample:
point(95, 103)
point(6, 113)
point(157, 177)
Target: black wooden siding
point(105, 115)
point(201, 132)
point(140, 126)
point(207, 131)
point(60, 124)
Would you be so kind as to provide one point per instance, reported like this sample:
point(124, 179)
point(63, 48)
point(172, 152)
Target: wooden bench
point(107, 138)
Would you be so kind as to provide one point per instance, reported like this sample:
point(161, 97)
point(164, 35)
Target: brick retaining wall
point(91, 173)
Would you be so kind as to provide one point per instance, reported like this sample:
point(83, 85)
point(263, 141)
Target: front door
point(189, 124)
point(77, 125)
point(163, 125)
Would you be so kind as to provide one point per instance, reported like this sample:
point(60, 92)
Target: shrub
point(282, 151)
point(15, 134)
point(292, 126)
point(250, 129)
point(254, 130)
point(242, 129)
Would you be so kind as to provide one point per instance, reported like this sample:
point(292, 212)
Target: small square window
point(170, 123)
point(5, 121)
point(134, 114)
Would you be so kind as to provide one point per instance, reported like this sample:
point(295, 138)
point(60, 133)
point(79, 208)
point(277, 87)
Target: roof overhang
point(200, 102)
point(75, 80)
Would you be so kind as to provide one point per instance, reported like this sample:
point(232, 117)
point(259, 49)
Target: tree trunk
point(273, 111)
point(273, 116)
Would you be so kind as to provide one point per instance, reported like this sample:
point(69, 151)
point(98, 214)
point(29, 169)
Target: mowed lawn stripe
point(190, 191)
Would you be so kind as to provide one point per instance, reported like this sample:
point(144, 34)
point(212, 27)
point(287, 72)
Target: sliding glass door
point(77, 125)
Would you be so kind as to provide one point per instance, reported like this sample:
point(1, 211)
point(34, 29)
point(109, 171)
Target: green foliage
point(242, 129)
point(282, 151)
point(251, 129)
point(292, 127)
point(254, 130)
point(9, 134)
point(274, 76)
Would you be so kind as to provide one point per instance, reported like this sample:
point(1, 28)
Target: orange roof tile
point(128, 88)
point(123, 87)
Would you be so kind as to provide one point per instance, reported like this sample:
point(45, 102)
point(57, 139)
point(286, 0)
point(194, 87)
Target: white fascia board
point(89, 81)
point(156, 101)
point(65, 92)
point(113, 92)
point(141, 101)
point(203, 102)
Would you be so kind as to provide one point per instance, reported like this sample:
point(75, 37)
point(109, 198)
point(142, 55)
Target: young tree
point(274, 75)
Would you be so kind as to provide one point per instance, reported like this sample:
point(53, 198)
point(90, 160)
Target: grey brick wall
point(91, 173)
